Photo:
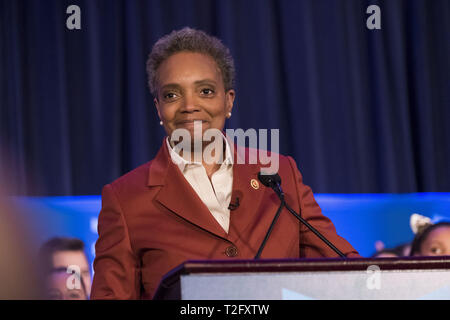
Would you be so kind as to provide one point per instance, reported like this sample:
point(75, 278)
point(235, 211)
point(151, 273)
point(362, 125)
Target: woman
point(177, 207)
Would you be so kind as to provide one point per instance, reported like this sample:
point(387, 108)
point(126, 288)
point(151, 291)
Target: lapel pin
point(255, 184)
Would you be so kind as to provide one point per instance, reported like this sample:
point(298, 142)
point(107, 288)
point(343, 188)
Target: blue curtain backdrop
point(359, 110)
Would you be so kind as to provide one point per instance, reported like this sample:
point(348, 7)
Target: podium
point(299, 279)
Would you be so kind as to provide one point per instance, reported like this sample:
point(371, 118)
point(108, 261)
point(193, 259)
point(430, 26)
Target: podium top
point(303, 265)
point(191, 267)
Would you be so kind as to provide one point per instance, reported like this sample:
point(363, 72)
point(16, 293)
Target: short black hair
point(57, 244)
point(190, 40)
point(420, 237)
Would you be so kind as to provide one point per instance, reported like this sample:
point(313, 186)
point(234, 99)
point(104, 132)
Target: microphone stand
point(263, 244)
point(317, 233)
point(277, 188)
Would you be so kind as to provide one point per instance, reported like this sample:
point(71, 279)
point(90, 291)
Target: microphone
point(273, 181)
point(234, 206)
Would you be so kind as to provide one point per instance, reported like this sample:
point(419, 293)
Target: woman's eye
point(170, 95)
point(207, 92)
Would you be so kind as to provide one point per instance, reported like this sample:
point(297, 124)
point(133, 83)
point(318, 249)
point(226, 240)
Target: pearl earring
point(229, 114)
point(161, 123)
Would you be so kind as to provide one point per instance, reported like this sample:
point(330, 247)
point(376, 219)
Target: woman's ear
point(230, 95)
point(155, 101)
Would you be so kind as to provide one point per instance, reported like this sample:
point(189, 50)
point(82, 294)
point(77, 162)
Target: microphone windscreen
point(269, 180)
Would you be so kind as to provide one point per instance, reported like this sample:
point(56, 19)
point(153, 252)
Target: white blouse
point(215, 193)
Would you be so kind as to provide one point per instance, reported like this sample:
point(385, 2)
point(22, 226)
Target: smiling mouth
point(190, 122)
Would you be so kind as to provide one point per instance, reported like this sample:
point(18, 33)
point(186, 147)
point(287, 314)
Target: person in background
point(20, 278)
point(58, 288)
point(398, 251)
point(432, 240)
point(61, 257)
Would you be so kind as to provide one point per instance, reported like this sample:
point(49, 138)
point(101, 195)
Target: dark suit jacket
point(152, 221)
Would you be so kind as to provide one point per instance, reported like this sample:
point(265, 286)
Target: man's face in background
point(64, 259)
point(57, 288)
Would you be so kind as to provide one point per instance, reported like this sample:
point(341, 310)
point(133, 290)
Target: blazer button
point(231, 251)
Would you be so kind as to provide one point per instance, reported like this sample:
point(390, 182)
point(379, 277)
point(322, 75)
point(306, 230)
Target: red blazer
point(152, 221)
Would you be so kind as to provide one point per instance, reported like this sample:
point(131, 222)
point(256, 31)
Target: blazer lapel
point(251, 192)
point(177, 195)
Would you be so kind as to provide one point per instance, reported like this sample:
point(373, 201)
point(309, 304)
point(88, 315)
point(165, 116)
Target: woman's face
point(437, 243)
point(190, 88)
